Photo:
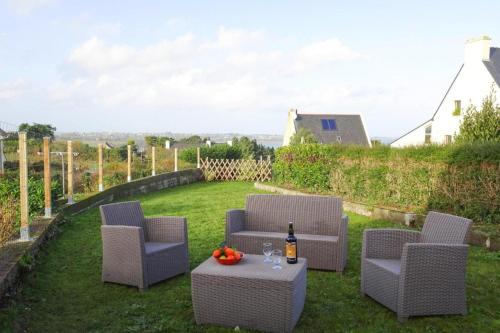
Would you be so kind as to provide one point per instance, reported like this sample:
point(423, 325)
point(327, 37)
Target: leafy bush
point(8, 218)
point(481, 125)
point(9, 189)
point(303, 135)
point(223, 151)
point(460, 179)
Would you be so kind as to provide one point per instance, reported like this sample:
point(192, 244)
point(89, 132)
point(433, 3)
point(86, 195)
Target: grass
point(64, 292)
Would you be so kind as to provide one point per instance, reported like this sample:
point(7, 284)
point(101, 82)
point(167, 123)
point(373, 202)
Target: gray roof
point(350, 128)
point(3, 134)
point(493, 65)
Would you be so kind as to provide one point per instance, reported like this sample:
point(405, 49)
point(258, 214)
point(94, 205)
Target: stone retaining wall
point(15, 255)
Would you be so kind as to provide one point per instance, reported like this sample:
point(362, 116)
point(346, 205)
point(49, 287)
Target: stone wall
point(140, 186)
point(12, 253)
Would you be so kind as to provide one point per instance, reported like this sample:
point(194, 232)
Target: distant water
point(268, 143)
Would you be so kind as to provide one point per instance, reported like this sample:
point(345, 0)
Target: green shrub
point(460, 179)
point(481, 125)
point(222, 151)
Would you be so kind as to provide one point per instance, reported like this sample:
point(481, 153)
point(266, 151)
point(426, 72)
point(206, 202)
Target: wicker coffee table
point(250, 294)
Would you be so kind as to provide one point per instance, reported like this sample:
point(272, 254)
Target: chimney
point(477, 49)
point(292, 114)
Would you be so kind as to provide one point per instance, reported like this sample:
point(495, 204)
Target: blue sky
point(231, 66)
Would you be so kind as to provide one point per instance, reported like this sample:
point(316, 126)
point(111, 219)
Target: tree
point(123, 150)
point(481, 125)
point(305, 133)
point(194, 139)
point(151, 140)
point(157, 140)
point(37, 131)
point(250, 149)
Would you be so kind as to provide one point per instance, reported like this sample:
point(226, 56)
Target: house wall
point(414, 138)
point(471, 86)
point(290, 127)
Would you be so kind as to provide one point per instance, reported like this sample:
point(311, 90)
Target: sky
point(231, 66)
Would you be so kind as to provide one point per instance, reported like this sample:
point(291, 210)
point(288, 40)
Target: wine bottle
point(291, 245)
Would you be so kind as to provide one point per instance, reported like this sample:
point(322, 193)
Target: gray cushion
point(391, 265)
point(154, 247)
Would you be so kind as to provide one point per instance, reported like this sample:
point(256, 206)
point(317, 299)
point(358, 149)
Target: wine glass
point(277, 254)
point(267, 249)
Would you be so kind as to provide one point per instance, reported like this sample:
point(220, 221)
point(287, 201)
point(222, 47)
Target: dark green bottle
point(291, 245)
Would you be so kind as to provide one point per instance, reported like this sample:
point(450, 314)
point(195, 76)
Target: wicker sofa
point(319, 225)
point(417, 273)
point(140, 251)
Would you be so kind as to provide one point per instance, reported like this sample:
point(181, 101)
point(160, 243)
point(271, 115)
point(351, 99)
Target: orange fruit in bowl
point(229, 251)
point(230, 257)
point(217, 253)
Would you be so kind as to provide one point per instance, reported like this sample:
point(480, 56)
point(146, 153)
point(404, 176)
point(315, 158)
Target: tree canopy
point(153, 140)
point(37, 131)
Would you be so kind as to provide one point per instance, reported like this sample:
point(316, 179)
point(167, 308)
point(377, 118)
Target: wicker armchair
point(141, 251)
point(417, 273)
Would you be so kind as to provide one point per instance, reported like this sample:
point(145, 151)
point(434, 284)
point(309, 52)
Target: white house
point(473, 82)
point(328, 128)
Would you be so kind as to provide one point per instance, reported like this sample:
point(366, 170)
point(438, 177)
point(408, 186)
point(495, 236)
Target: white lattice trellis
point(249, 170)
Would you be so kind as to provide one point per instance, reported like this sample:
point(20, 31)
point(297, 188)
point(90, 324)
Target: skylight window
point(329, 124)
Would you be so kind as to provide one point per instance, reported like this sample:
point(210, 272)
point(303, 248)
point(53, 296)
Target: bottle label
point(291, 250)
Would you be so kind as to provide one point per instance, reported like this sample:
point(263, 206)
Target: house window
point(458, 108)
point(447, 139)
point(328, 124)
point(428, 132)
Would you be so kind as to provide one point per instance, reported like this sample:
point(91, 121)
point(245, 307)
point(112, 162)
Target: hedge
point(221, 151)
point(459, 179)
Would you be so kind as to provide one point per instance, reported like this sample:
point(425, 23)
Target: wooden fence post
point(2, 168)
point(46, 177)
point(153, 160)
point(175, 159)
point(23, 187)
point(100, 167)
point(70, 173)
point(198, 164)
point(129, 163)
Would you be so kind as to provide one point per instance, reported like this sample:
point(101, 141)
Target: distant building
point(328, 128)
point(479, 72)
point(108, 145)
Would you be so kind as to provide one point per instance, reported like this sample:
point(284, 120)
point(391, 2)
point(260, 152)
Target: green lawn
point(64, 292)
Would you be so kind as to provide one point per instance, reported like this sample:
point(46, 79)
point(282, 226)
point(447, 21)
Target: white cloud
point(105, 28)
point(235, 74)
point(25, 7)
point(324, 52)
point(13, 89)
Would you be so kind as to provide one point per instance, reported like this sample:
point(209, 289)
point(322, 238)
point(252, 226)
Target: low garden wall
point(140, 186)
point(16, 256)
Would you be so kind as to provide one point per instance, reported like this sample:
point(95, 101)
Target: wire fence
point(85, 175)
